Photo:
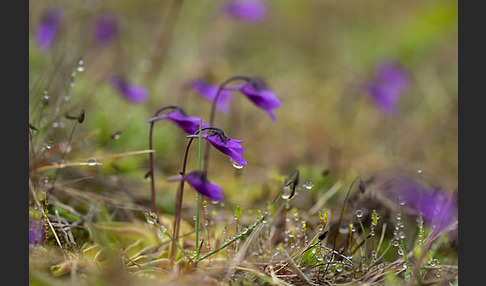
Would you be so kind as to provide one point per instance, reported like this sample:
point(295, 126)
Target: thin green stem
point(164, 230)
point(198, 196)
point(237, 237)
point(365, 239)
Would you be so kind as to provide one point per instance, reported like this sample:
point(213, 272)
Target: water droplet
point(287, 193)
point(92, 162)
point(308, 185)
point(339, 268)
point(401, 201)
point(381, 266)
point(80, 66)
point(419, 170)
point(319, 257)
point(395, 243)
point(236, 165)
point(400, 252)
point(402, 235)
point(48, 145)
point(343, 229)
point(359, 213)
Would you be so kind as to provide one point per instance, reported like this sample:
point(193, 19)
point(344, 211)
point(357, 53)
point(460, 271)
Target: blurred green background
point(313, 54)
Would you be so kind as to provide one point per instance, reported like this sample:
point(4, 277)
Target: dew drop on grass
point(359, 213)
point(308, 185)
point(92, 162)
point(287, 193)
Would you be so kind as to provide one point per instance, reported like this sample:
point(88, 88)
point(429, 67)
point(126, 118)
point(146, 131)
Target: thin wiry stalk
point(213, 114)
point(151, 156)
point(180, 194)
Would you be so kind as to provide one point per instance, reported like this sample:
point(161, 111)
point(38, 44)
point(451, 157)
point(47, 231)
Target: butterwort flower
point(48, 28)
point(36, 232)
point(390, 82)
point(199, 181)
point(230, 147)
point(419, 198)
point(208, 91)
point(260, 95)
point(190, 124)
point(245, 10)
point(105, 29)
point(131, 92)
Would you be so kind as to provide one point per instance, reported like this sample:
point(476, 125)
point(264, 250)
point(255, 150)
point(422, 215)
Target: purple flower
point(189, 124)
point(420, 198)
point(390, 82)
point(36, 232)
point(230, 147)
point(260, 95)
point(245, 10)
point(209, 91)
point(105, 29)
point(198, 180)
point(131, 92)
point(48, 28)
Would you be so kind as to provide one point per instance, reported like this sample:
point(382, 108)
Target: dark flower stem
point(213, 112)
point(151, 155)
point(341, 217)
point(180, 194)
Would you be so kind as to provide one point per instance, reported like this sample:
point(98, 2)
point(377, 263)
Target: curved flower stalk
point(190, 124)
point(249, 11)
point(230, 147)
point(198, 179)
point(131, 92)
point(178, 116)
point(48, 28)
point(390, 82)
point(254, 89)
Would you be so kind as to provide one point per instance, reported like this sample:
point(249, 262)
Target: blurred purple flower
point(198, 180)
point(419, 198)
point(390, 82)
point(245, 10)
point(105, 29)
point(48, 28)
point(190, 124)
point(131, 92)
point(209, 91)
point(36, 232)
point(230, 147)
point(260, 95)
